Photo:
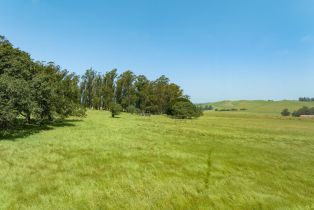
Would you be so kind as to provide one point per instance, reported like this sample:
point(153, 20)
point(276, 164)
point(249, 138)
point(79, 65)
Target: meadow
point(222, 160)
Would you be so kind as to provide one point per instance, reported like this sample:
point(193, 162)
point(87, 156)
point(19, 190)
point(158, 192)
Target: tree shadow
point(23, 131)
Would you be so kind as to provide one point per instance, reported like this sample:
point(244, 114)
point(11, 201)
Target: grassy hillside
point(219, 161)
point(259, 106)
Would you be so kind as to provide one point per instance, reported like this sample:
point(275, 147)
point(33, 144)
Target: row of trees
point(302, 111)
point(135, 94)
point(38, 92)
point(207, 107)
point(34, 91)
point(307, 99)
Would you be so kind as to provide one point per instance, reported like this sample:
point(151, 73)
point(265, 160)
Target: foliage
point(132, 109)
point(115, 109)
point(41, 92)
point(303, 111)
point(285, 112)
point(133, 93)
point(34, 91)
point(185, 110)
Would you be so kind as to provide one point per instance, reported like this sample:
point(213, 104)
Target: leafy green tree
point(143, 92)
point(185, 110)
point(115, 109)
point(87, 88)
point(125, 92)
point(15, 75)
point(8, 100)
point(97, 92)
point(173, 94)
point(129, 90)
point(159, 96)
point(34, 90)
point(108, 88)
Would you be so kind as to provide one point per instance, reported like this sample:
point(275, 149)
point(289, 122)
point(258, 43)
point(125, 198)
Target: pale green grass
point(219, 161)
point(260, 106)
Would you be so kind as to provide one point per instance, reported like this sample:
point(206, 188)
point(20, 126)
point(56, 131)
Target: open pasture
point(228, 160)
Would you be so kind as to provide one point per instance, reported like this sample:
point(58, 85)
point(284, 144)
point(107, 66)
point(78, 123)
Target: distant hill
point(260, 106)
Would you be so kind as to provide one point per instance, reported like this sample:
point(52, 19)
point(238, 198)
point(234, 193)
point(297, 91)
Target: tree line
point(135, 94)
point(35, 92)
point(306, 99)
point(302, 111)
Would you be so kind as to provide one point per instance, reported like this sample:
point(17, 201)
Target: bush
point(303, 111)
point(185, 110)
point(226, 110)
point(132, 109)
point(285, 112)
point(115, 109)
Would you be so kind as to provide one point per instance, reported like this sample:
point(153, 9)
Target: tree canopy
point(35, 91)
point(134, 93)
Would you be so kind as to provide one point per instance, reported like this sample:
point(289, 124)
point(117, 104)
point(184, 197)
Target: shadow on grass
point(22, 131)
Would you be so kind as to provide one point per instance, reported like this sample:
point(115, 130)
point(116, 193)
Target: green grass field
point(234, 160)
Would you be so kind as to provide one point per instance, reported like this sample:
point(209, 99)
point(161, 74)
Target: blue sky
point(214, 49)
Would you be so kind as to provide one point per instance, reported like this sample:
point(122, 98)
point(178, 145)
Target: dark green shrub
point(115, 109)
point(185, 110)
point(132, 109)
point(285, 112)
point(303, 111)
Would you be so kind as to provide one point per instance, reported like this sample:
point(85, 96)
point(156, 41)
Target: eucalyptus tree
point(97, 92)
point(125, 91)
point(108, 88)
point(87, 84)
point(143, 91)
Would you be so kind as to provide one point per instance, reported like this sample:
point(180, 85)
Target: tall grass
point(219, 161)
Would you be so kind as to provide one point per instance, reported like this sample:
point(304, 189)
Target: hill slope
point(260, 106)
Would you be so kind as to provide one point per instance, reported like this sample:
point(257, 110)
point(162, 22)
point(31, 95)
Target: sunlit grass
point(219, 161)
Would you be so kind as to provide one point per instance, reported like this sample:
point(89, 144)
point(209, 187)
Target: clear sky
point(214, 49)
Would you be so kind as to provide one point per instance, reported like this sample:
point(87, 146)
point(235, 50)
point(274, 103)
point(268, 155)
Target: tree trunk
point(28, 118)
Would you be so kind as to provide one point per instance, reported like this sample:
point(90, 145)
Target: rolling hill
point(260, 106)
